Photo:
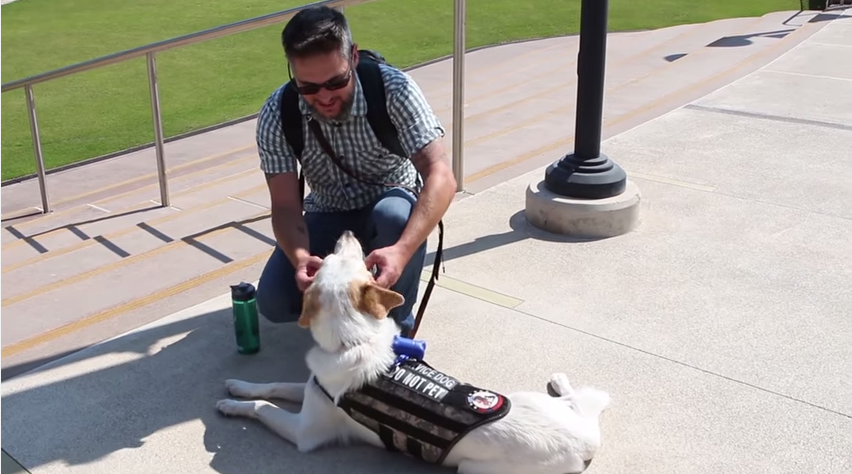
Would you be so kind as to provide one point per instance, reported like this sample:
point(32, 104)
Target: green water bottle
point(245, 318)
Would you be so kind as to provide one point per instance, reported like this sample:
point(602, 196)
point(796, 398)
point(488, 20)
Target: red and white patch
point(484, 401)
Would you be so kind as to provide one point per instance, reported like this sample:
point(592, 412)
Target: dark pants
point(380, 225)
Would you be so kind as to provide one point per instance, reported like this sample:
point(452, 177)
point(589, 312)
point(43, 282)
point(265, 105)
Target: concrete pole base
point(583, 218)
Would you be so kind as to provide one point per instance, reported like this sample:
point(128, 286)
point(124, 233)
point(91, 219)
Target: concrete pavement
point(108, 230)
point(720, 326)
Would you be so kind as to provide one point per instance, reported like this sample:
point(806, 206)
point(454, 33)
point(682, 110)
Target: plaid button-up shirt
point(355, 144)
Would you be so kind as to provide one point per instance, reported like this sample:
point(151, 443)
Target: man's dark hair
point(317, 30)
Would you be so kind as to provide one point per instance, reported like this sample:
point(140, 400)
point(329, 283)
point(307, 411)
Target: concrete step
point(33, 310)
point(71, 227)
point(138, 169)
point(123, 248)
point(131, 195)
point(115, 320)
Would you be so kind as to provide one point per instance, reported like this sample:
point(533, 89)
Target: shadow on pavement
point(521, 230)
point(136, 401)
point(140, 396)
point(745, 40)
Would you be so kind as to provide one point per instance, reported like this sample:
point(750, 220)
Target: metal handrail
point(150, 50)
point(192, 38)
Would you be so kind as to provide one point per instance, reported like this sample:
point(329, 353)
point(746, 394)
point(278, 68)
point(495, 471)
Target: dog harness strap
point(386, 435)
point(324, 391)
point(414, 447)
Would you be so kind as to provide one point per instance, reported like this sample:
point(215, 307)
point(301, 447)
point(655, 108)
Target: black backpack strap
point(377, 114)
point(377, 110)
point(291, 123)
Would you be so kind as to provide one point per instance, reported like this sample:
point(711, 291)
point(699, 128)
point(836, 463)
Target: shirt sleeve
point(276, 155)
point(409, 111)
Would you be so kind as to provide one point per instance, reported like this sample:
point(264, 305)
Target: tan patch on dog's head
point(372, 299)
point(310, 308)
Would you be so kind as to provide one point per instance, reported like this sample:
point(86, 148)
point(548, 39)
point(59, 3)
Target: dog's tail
point(590, 402)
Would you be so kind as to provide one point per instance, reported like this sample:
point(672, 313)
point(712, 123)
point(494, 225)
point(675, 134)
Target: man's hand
point(306, 270)
point(390, 261)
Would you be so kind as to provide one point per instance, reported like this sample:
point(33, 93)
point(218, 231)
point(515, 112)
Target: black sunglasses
point(332, 84)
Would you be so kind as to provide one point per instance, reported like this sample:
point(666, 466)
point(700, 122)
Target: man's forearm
point(291, 233)
point(438, 191)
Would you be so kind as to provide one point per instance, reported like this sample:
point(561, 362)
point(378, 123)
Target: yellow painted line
point(135, 207)
point(151, 175)
point(561, 86)
point(538, 118)
point(115, 311)
point(699, 52)
point(114, 235)
point(494, 93)
point(25, 212)
point(519, 159)
point(122, 263)
point(473, 291)
point(104, 201)
point(664, 46)
point(627, 115)
point(680, 92)
point(484, 74)
point(186, 177)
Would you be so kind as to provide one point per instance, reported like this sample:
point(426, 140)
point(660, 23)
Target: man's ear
point(375, 300)
point(310, 308)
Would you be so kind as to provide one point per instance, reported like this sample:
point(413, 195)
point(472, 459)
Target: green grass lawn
point(108, 109)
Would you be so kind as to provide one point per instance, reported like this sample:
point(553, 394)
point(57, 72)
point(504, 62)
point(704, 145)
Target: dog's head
point(344, 300)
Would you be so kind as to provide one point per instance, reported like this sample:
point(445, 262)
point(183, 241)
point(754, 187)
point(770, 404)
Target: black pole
point(587, 173)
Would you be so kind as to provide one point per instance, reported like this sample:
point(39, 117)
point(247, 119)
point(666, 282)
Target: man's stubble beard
point(342, 116)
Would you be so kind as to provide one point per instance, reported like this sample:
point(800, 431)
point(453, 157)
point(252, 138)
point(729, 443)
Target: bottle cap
point(243, 292)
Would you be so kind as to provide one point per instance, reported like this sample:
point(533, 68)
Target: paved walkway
point(720, 326)
point(108, 230)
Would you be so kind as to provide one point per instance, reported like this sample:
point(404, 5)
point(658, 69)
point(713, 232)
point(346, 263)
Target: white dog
point(360, 391)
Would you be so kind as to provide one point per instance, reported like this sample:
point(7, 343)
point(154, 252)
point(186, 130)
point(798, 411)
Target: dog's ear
point(375, 300)
point(310, 308)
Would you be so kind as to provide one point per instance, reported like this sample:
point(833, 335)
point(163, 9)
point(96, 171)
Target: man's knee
point(391, 213)
point(278, 298)
point(274, 305)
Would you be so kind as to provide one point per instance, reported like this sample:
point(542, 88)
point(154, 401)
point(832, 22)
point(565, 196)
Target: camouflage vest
point(420, 411)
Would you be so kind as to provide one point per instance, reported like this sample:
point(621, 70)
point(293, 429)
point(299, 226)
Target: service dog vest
point(420, 411)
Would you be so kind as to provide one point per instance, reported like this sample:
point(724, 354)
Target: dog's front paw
point(239, 388)
point(235, 408)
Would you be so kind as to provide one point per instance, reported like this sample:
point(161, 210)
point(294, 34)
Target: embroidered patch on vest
point(484, 401)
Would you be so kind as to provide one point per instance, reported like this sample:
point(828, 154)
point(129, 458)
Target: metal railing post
point(458, 93)
point(39, 157)
point(158, 130)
